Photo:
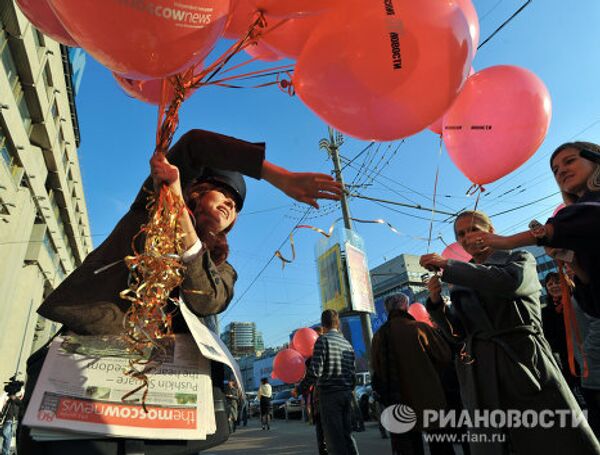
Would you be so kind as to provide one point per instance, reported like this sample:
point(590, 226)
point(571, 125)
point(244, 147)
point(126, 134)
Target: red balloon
point(379, 70)
point(304, 341)
point(143, 39)
point(289, 36)
point(419, 312)
point(39, 13)
point(289, 366)
point(147, 91)
point(497, 122)
point(473, 20)
point(457, 252)
point(294, 8)
point(438, 126)
point(240, 18)
point(262, 52)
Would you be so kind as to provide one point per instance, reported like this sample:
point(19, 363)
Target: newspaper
point(209, 343)
point(80, 388)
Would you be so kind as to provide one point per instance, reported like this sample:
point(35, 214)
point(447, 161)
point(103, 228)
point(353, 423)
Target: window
point(8, 63)
point(38, 38)
point(23, 109)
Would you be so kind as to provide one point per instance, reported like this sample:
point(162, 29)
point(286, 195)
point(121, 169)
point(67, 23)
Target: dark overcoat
point(505, 362)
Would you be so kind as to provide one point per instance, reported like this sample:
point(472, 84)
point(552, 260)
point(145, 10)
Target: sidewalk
point(292, 437)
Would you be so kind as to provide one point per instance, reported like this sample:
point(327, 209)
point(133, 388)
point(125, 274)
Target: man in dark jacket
point(407, 358)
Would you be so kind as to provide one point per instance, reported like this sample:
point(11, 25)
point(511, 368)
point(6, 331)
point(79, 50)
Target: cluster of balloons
point(289, 364)
point(371, 69)
point(376, 70)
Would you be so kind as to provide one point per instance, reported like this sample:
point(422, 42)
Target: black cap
point(231, 180)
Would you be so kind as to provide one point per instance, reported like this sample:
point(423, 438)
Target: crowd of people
point(492, 346)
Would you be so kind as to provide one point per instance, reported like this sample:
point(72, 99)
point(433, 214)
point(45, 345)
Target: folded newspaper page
point(80, 388)
point(210, 344)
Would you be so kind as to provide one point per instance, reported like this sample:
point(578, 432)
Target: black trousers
point(335, 409)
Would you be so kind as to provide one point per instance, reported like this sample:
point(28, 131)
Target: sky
point(555, 39)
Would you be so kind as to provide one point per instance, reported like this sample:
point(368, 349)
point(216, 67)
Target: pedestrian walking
point(265, 394)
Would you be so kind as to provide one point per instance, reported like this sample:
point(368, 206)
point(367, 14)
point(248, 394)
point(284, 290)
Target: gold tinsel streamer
point(154, 274)
point(158, 270)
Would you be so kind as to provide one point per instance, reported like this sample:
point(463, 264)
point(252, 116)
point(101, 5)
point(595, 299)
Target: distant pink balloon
point(419, 312)
point(288, 366)
point(456, 252)
point(304, 341)
point(558, 209)
point(497, 122)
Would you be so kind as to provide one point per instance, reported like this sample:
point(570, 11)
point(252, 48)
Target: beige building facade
point(44, 226)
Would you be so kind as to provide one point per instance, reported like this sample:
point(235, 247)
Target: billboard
point(332, 283)
point(359, 280)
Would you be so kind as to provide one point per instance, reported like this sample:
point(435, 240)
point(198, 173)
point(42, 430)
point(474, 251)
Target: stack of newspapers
point(79, 393)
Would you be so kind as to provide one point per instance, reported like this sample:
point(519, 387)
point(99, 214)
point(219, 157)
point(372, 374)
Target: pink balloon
point(289, 36)
point(144, 39)
point(558, 209)
point(380, 73)
point(294, 8)
point(289, 366)
point(39, 13)
point(241, 16)
point(304, 341)
point(497, 122)
point(148, 91)
point(261, 51)
point(438, 126)
point(457, 252)
point(419, 312)
point(473, 20)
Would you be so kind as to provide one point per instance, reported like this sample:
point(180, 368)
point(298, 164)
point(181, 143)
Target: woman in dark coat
point(505, 362)
point(204, 169)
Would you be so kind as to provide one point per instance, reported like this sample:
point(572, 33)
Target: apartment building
point(44, 226)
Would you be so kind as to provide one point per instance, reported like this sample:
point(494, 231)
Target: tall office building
point(400, 274)
point(241, 338)
point(44, 226)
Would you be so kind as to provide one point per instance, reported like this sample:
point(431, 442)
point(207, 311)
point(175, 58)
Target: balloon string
point(434, 198)
point(329, 233)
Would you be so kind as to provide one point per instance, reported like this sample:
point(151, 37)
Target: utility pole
point(332, 144)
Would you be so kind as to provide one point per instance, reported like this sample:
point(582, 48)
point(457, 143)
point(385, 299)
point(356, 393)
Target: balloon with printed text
point(39, 13)
point(377, 71)
point(497, 122)
point(438, 126)
point(304, 341)
point(288, 366)
point(142, 39)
